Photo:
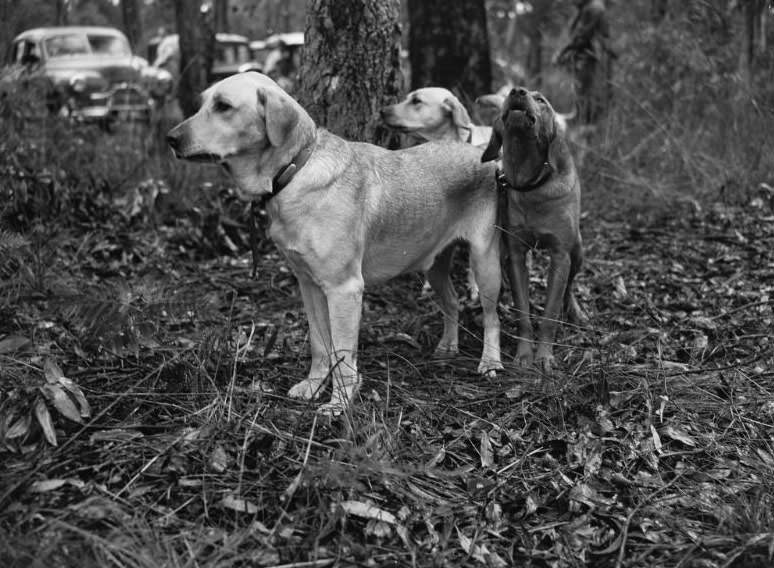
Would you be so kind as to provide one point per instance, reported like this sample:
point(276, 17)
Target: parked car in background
point(87, 73)
point(232, 55)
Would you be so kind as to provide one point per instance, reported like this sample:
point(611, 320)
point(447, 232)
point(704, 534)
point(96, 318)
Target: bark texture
point(197, 46)
point(449, 46)
point(130, 11)
point(350, 66)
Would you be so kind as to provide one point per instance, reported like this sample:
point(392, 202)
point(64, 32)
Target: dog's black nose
point(519, 91)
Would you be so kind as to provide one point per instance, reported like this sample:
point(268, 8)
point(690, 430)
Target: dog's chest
point(542, 224)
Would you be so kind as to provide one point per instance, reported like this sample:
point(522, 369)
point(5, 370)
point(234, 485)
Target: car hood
point(112, 69)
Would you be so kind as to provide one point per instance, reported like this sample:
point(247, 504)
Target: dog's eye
point(221, 106)
point(416, 101)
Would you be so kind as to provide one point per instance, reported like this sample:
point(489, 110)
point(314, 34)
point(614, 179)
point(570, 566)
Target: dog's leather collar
point(287, 172)
point(542, 177)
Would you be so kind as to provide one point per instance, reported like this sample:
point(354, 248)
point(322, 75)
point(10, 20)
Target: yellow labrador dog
point(543, 195)
point(434, 113)
point(347, 214)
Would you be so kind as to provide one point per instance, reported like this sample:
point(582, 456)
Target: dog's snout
point(519, 91)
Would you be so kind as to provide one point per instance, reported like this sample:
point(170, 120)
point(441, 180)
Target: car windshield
point(109, 45)
point(67, 45)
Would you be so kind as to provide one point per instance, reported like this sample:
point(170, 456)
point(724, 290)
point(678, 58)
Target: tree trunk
point(535, 58)
point(221, 15)
point(753, 15)
point(130, 10)
point(449, 46)
point(658, 10)
point(350, 66)
point(197, 46)
point(61, 13)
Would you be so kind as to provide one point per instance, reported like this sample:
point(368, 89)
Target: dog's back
point(440, 191)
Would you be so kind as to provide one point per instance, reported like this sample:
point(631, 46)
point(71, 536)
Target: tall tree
point(195, 28)
point(130, 10)
point(221, 15)
point(658, 10)
point(449, 46)
point(350, 66)
point(61, 12)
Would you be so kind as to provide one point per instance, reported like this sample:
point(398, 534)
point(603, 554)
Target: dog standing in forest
point(543, 211)
point(434, 113)
point(346, 214)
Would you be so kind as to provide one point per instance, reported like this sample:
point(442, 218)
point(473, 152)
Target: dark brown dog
point(543, 211)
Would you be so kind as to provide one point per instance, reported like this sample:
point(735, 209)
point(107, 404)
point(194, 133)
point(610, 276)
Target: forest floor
point(144, 420)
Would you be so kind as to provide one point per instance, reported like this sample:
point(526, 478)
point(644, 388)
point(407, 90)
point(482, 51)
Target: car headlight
point(78, 83)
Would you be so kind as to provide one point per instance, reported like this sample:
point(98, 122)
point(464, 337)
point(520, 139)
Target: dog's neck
point(286, 173)
point(526, 165)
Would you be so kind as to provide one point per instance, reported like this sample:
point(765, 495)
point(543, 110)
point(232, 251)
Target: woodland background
point(143, 370)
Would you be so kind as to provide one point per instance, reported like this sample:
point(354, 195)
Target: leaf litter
point(653, 445)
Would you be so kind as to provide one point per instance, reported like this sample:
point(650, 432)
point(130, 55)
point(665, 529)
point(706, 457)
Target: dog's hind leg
point(558, 274)
point(518, 275)
point(485, 263)
point(572, 309)
point(440, 279)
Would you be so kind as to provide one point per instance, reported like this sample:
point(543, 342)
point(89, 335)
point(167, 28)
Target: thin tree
point(221, 15)
point(449, 46)
point(61, 13)
point(197, 46)
point(130, 10)
point(351, 65)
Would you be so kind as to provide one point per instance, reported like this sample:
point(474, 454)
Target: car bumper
point(124, 102)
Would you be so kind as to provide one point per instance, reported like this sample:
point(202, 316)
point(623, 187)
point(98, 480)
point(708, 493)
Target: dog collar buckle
point(283, 178)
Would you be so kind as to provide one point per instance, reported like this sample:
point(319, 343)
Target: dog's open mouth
point(201, 157)
point(521, 117)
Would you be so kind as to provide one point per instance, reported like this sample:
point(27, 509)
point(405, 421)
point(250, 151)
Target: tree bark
point(130, 10)
point(658, 10)
point(449, 46)
point(61, 13)
point(197, 46)
point(350, 66)
point(221, 15)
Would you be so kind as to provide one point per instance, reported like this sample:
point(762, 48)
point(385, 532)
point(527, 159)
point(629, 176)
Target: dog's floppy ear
point(557, 149)
point(281, 116)
point(492, 151)
point(460, 117)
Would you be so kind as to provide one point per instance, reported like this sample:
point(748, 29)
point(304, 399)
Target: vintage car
point(232, 55)
point(87, 73)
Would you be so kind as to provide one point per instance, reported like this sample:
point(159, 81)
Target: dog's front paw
point(308, 389)
point(488, 368)
point(446, 350)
